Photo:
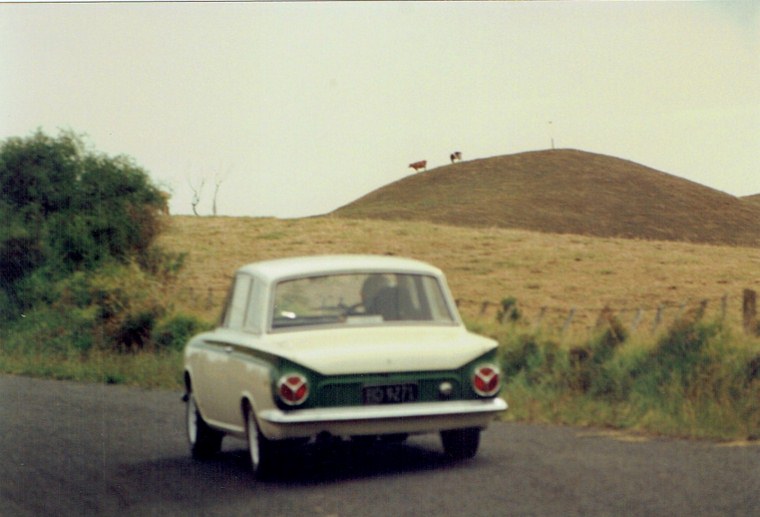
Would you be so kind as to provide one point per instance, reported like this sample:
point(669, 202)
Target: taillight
point(293, 389)
point(486, 380)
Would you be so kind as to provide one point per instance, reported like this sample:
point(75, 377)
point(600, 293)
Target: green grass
point(698, 380)
point(65, 345)
point(144, 369)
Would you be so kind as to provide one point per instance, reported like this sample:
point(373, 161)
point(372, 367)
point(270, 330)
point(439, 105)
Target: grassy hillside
point(754, 199)
point(565, 191)
point(629, 385)
point(482, 264)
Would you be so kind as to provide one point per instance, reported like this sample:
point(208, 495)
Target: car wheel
point(259, 447)
point(461, 443)
point(204, 441)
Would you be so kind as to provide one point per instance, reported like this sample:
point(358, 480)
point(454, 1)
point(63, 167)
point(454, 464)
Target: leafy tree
point(65, 208)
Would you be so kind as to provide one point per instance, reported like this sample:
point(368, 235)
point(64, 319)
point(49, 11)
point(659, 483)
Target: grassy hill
point(754, 199)
point(566, 191)
point(482, 264)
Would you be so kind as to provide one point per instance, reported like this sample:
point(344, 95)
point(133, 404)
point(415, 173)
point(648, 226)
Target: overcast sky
point(299, 108)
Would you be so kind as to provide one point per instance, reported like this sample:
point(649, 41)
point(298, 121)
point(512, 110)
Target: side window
point(236, 309)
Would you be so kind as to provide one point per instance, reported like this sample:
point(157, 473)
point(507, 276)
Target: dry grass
point(487, 264)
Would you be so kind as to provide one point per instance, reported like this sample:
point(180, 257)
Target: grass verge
point(697, 381)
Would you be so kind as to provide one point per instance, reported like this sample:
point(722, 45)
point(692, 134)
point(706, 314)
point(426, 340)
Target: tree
point(196, 194)
point(218, 180)
point(66, 208)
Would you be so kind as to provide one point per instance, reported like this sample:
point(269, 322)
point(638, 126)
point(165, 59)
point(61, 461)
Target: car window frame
point(231, 299)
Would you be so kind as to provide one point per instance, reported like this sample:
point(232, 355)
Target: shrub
point(508, 310)
point(173, 333)
point(68, 209)
point(681, 352)
point(525, 356)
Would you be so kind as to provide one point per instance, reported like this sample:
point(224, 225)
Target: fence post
point(723, 307)
point(568, 321)
point(657, 318)
point(702, 309)
point(681, 310)
point(636, 319)
point(749, 310)
point(539, 318)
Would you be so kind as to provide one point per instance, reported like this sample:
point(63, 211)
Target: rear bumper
point(385, 419)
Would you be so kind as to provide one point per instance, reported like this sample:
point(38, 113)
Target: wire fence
point(734, 310)
point(738, 310)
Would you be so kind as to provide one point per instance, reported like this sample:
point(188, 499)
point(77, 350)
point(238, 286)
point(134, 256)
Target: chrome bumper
point(417, 417)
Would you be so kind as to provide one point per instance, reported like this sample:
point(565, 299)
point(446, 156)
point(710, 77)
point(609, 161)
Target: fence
point(735, 310)
point(740, 311)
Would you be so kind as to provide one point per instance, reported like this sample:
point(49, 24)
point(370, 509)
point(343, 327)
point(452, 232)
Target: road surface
point(80, 449)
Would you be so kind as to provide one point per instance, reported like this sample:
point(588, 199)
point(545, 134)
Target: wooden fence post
point(568, 321)
point(210, 299)
point(749, 310)
point(702, 309)
point(636, 319)
point(539, 318)
point(723, 307)
point(657, 318)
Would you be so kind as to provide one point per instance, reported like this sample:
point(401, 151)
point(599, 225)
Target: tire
point(259, 447)
point(204, 441)
point(461, 443)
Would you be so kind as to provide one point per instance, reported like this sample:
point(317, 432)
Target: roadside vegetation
point(99, 285)
point(83, 291)
point(696, 379)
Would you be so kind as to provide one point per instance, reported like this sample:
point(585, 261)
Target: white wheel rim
point(253, 441)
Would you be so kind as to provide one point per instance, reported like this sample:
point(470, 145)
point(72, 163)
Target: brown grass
point(566, 191)
point(482, 264)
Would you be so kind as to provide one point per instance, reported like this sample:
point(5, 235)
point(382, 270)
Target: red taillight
point(293, 389)
point(486, 381)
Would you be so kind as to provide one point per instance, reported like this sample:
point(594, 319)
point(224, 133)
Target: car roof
point(327, 264)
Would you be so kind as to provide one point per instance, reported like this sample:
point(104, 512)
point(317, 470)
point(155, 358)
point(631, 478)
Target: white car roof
point(327, 264)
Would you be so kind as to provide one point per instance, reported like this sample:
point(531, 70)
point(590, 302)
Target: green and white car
point(340, 346)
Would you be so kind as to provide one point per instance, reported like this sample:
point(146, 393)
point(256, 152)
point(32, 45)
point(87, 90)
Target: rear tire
point(259, 447)
point(461, 443)
point(204, 441)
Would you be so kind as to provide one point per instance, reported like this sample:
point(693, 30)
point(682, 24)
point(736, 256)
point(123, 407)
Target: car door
point(220, 398)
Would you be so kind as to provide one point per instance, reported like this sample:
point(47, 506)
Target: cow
point(456, 156)
point(422, 164)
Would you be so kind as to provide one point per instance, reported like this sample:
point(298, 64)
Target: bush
point(66, 209)
point(508, 311)
point(175, 332)
point(536, 362)
point(681, 352)
point(697, 380)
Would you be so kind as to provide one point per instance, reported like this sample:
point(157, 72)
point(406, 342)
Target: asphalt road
point(77, 449)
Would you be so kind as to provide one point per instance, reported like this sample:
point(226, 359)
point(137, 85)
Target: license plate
point(390, 394)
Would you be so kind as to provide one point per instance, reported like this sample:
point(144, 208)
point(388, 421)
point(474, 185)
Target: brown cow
point(456, 156)
point(422, 164)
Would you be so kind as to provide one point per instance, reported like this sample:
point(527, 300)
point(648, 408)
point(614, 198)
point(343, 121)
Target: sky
point(295, 109)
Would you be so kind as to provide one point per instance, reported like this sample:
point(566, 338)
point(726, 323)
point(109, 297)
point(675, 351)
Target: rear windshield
point(359, 299)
